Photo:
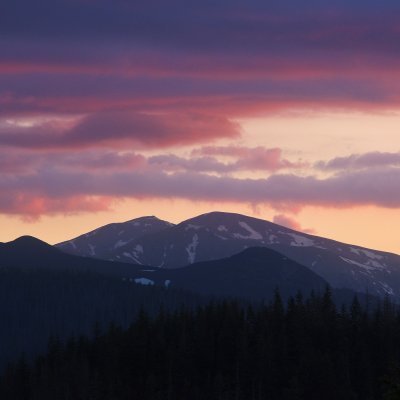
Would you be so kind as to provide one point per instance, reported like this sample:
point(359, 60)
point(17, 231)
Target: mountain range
point(253, 274)
point(111, 273)
point(149, 241)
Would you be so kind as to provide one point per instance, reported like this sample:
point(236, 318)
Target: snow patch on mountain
point(367, 253)
point(373, 256)
point(144, 281)
point(192, 226)
point(355, 251)
point(273, 239)
point(300, 241)
point(163, 259)
point(136, 252)
point(220, 237)
point(370, 265)
point(191, 249)
point(139, 248)
point(92, 249)
point(254, 235)
point(387, 288)
point(364, 266)
point(128, 255)
point(120, 243)
point(376, 265)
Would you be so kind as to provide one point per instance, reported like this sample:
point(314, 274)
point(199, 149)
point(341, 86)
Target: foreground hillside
point(222, 351)
point(45, 292)
point(36, 304)
point(252, 274)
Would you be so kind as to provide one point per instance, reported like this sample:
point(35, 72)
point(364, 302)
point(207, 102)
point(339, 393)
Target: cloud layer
point(82, 186)
point(88, 87)
point(228, 58)
point(118, 129)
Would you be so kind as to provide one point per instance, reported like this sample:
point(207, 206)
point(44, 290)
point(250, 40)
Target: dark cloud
point(206, 25)
point(67, 55)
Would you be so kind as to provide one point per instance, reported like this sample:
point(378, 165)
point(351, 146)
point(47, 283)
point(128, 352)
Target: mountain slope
point(28, 252)
point(105, 241)
point(217, 235)
point(253, 274)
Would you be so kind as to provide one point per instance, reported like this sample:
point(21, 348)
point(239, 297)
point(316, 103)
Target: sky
point(286, 111)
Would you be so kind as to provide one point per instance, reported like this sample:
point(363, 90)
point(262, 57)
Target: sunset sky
point(283, 110)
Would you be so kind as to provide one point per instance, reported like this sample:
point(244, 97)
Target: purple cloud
point(148, 75)
point(378, 187)
point(361, 161)
point(117, 129)
point(245, 159)
point(226, 58)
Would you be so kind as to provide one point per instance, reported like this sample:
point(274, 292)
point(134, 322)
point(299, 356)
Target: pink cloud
point(228, 60)
point(251, 158)
point(118, 129)
point(290, 222)
point(140, 82)
point(171, 162)
point(31, 206)
point(158, 64)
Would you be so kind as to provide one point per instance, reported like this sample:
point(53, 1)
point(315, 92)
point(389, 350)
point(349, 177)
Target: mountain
point(27, 249)
point(255, 274)
point(29, 253)
point(104, 242)
point(44, 291)
point(217, 235)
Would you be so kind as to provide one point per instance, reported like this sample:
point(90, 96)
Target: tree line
point(38, 303)
point(303, 349)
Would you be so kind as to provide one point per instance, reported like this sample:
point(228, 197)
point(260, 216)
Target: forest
point(36, 303)
point(306, 348)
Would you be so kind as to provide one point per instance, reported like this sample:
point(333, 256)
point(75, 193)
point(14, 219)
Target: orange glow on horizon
point(307, 137)
point(369, 227)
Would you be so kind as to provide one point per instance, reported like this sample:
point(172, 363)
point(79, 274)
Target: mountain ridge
point(216, 235)
point(112, 236)
point(253, 274)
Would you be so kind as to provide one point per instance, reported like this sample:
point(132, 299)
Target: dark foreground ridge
point(305, 351)
point(45, 292)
